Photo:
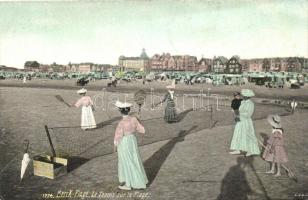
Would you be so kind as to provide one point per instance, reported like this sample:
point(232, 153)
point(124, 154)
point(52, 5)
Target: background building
point(255, 65)
point(204, 65)
point(219, 65)
point(176, 63)
point(294, 64)
point(168, 62)
point(32, 66)
point(140, 63)
point(8, 69)
point(234, 65)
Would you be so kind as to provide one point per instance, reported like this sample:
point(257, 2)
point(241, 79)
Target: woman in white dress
point(87, 117)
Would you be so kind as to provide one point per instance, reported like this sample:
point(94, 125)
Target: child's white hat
point(274, 120)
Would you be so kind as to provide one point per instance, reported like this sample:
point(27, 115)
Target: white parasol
point(25, 161)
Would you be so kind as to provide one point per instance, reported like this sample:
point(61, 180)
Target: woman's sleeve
point(165, 98)
point(118, 134)
point(139, 127)
point(78, 103)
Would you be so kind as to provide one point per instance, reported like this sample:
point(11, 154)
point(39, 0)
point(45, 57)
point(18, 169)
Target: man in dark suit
point(235, 105)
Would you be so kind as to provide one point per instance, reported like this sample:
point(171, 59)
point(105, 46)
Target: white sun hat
point(247, 93)
point(120, 104)
point(82, 91)
point(172, 86)
point(274, 120)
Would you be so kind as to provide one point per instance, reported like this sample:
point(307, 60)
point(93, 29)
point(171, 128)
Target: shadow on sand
point(110, 121)
point(183, 114)
point(154, 163)
point(74, 162)
point(234, 184)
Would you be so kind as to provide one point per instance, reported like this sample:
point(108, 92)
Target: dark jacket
point(235, 104)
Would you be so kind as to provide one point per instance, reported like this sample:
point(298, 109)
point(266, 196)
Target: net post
point(50, 142)
point(211, 112)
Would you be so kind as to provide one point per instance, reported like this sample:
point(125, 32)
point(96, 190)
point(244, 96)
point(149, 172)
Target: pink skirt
point(274, 151)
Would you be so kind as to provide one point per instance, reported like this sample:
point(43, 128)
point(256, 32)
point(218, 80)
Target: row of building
point(168, 62)
point(220, 64)
point(70, 67)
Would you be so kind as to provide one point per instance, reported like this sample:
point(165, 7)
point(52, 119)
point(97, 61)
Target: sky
point(101, 31)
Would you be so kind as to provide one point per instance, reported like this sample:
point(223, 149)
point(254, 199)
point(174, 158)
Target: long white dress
point(87, 117)
point(244, 138)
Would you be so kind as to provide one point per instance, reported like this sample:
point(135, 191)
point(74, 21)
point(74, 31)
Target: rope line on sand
point(99, 126)
point(96, 127)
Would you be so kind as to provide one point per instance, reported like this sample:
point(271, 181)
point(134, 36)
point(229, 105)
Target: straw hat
point(172, 86)
point(82, 91)
point(247, 93)
point(274, 120)
point(120, 104)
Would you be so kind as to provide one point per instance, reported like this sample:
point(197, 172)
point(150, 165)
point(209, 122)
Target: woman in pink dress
point(274, 151)
point(131, 172)
point(87, 117)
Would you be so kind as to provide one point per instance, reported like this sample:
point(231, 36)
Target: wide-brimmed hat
point(120, 104)
point(274, 120)
point(82, 91)
point(172, 86)
point(247, 93)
